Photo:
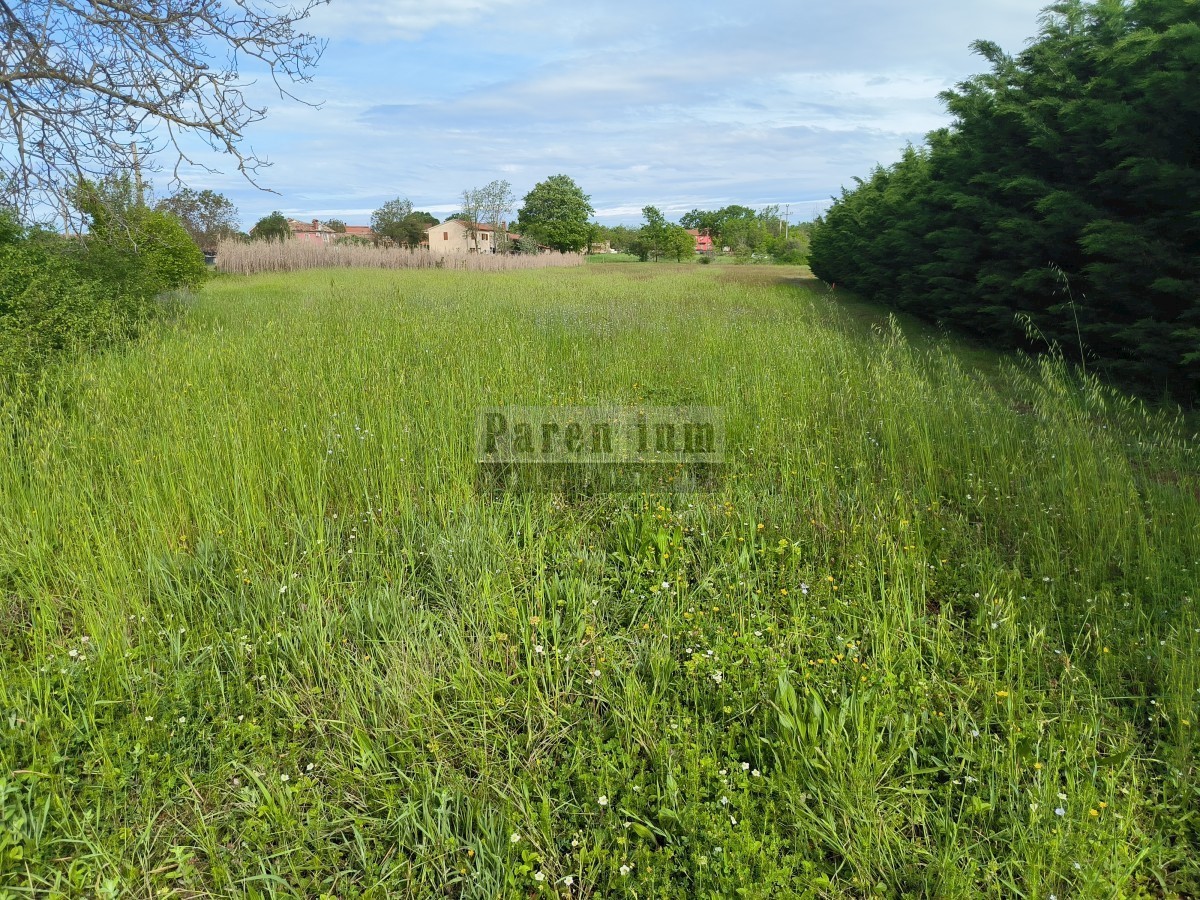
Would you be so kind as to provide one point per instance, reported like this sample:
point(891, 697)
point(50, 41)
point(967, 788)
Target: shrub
point(59, 296)
point(46, 308)
point(141, 251)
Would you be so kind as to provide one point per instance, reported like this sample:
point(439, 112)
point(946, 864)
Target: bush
point(46, 308)
point(141, 251)
point(59, 297)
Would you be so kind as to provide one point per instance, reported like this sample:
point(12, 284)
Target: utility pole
point(137, 175)
point(787, 220)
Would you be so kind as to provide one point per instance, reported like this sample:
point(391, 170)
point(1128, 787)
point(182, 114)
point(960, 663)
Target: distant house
point(703, 240)
point(314, 233)
point(455, 236)
point(356, 231)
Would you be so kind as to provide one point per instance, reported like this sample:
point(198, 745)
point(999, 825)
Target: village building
point(457, 236)
point(314, 233)
point(357, 231)
point(704, 242)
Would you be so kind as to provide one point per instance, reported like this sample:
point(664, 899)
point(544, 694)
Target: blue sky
point(678, 105)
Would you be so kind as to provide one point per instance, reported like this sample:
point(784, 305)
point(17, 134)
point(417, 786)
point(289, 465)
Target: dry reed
point(271, 256)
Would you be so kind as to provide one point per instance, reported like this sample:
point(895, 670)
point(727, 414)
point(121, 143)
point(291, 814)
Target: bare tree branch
point(82, 80)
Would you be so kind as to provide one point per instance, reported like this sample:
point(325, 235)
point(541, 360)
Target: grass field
point(934, 635)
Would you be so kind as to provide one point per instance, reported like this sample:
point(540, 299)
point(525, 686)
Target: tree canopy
point(1061, 202)
point(207, 216)
point(556, 212)
point(387, 221)
point(398, 222)
point(271, 228)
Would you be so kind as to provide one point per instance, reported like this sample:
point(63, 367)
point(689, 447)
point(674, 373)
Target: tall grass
point(240, 258)
point(262, 635)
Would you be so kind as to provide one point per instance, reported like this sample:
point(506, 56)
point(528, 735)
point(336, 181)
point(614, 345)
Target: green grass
point(607, 258)
point(260, 635)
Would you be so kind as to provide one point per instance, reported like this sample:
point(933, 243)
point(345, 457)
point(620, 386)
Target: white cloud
point(375, 21)
point(771, 102)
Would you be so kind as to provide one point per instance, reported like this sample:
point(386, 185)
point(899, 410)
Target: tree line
point(1059, 207)
point(556, 214)
point(553, 214)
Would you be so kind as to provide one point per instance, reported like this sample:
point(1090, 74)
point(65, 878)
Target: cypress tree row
point(1066, 189)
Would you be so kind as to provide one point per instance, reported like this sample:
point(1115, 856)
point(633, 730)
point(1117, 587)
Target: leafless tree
point(472, 209)
point(497, 202)
point(83, 80)
point(488, 205)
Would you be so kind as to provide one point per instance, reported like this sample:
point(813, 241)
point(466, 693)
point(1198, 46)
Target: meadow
point(933, 633)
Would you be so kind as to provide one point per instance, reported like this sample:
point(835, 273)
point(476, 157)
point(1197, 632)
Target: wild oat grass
point(262, 635)
point(240, 258)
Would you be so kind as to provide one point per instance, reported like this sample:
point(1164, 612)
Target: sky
point(676, 105)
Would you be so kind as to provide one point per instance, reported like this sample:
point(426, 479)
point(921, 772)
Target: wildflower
point(539, 649)
point(1059, 811)
point(1102, 805)
point(569, 880)
point(308, 768)
point(1001, 694)
point(149, 718)
point(1062, 796)
point(1093, 813)
point(602, 800)
point(745, 767)
point(73, 653)
point(539, 876)
point(724, 801)
point(626, 869)
point(803, 588)
point(535, 621)
point(514, 838)
point(284, 777)
point(756, 773)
